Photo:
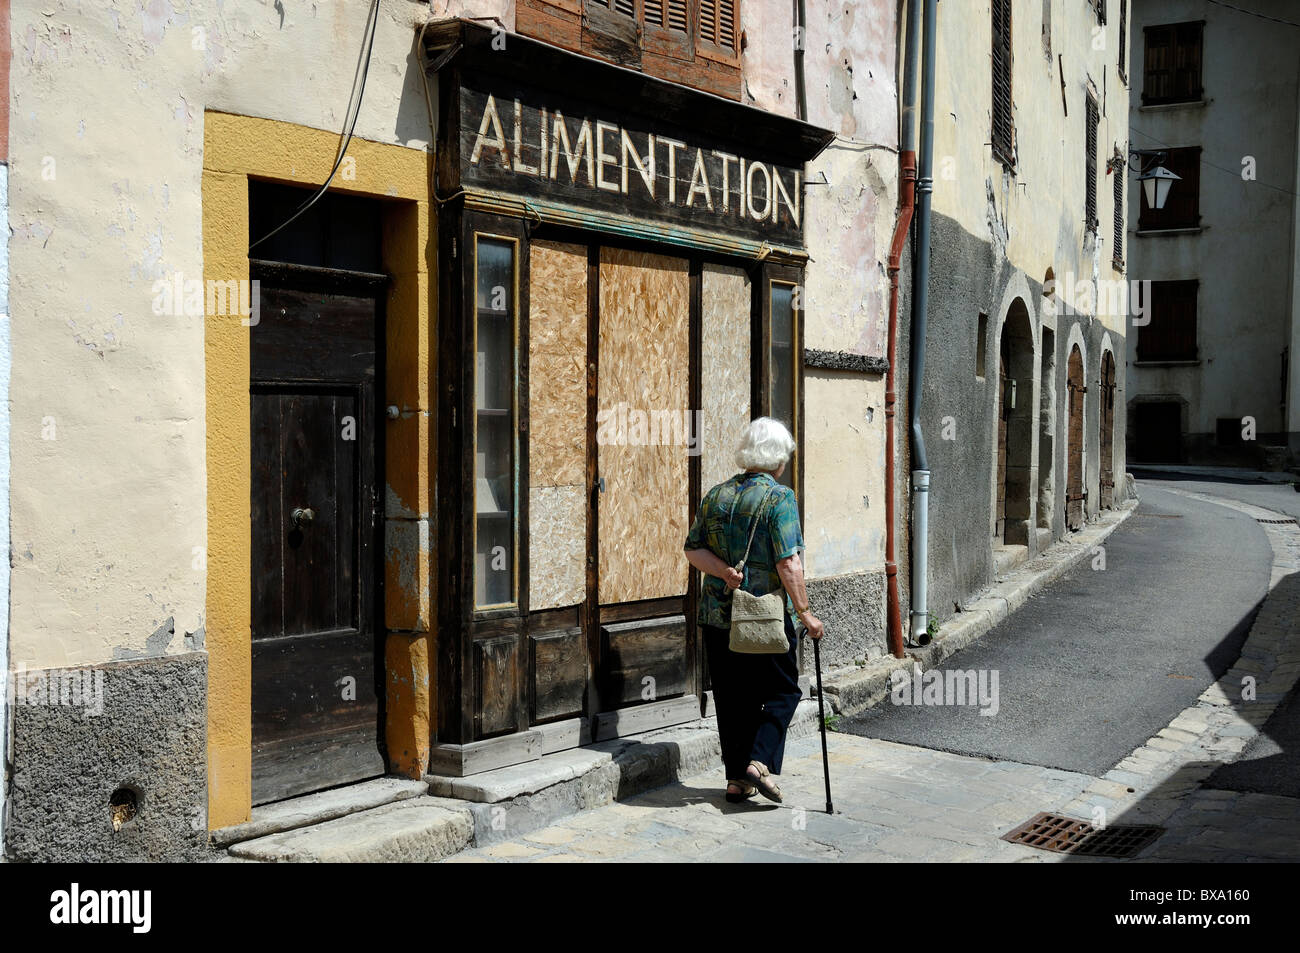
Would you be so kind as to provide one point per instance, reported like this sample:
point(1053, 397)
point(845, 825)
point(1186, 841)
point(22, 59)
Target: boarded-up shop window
point(1004, 138)
point(1090, 165)
point(1183, 206)
point(1172, 64)
point(1171, 333)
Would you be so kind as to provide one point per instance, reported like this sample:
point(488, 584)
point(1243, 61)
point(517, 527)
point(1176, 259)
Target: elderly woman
point(755, 695)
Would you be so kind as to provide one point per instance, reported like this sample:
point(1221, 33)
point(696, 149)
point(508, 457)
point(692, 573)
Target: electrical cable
point(1232, 172)
point(1252, 13)
point(349, 119)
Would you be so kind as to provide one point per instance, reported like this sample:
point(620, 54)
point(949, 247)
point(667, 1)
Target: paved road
point(1271, 763)
point(1274, 496)
point(1100, 661)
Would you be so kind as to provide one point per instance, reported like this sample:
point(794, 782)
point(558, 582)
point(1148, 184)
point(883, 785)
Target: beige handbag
point(757, 622)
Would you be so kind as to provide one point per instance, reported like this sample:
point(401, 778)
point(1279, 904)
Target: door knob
point(300, 516)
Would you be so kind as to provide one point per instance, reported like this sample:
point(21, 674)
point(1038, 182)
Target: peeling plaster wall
point(1034, 218)
point(109, 408)
point(108, 522)
point(850, 202)
point(5, 347)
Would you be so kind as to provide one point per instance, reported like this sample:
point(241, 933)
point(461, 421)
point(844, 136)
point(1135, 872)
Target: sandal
point(745, 792)
point(758, 775)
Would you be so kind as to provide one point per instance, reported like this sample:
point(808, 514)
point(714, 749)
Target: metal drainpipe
point(920, 308)
point(800, 41)
point(906, 209)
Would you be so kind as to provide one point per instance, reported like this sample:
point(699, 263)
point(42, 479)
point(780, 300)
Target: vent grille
point(1069, 835)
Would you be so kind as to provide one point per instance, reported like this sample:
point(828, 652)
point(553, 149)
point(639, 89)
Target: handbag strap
point(753, 527)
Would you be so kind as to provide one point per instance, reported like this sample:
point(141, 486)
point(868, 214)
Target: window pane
point(782, 359)
point(494, 438)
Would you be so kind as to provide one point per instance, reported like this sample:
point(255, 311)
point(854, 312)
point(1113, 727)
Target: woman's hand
point(816, 628)
point(732, 578)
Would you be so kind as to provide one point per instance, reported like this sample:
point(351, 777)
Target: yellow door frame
point(235, 149)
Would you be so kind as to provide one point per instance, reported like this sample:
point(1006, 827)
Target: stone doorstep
point(395, 820)
point(676, 751)
point(869, 685)
point(414, 830)
point(317, 808)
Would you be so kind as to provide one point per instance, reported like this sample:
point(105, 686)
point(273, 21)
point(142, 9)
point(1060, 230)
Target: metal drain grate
point(1069, 835)
point(1292, 522)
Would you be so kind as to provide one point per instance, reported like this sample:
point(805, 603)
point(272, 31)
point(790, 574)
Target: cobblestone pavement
point(895, 803)
point(898, 802)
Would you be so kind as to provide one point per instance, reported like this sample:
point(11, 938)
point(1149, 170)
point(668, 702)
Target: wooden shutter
point(1090, 164)
point(719, 26)
point(1123, 40)
point(1183, 207)
point(667, 29)
point(667, 15)
point(625, 7)
point(1119, 173)
point(1171, 333)
point(1003, 123)
point(1172, 63)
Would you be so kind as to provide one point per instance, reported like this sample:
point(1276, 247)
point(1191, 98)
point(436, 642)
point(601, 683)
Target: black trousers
point(755, 697)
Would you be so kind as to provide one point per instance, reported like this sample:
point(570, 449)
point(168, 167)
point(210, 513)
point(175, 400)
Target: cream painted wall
point(109, 465)
point(850, 204)
point(109, 471)
point(1036, 216)
point(844, 528)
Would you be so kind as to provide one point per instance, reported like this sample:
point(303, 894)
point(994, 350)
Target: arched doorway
point(1074, 494)
point(1014, 477)
point(1107, 441)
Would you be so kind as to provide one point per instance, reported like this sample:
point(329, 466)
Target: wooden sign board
point(534, 143)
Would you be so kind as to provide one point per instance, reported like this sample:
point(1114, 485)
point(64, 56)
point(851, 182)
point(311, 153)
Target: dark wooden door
point(1107, 436)
point(1075, 494)
point(1000, 510)
point(315, 520)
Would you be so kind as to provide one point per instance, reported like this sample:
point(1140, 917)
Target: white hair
point(765, 445)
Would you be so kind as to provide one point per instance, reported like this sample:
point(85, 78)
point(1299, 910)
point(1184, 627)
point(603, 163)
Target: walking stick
point(821, 717)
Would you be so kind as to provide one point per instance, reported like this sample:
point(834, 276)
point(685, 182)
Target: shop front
point(620, 271)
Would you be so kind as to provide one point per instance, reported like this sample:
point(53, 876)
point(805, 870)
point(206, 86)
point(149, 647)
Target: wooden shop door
point(316, 447)
point(1003, 412)
point(1076, 495)
point(642, 648)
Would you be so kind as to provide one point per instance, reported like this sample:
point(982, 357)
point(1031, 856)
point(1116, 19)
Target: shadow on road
point(1246, 808)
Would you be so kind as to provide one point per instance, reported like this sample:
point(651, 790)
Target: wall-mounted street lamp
point(1155, 178)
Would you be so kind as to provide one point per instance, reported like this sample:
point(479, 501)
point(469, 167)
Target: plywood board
point(557, 427)
point(557, 354)
point(557, 527)
point(643, 404)
point(724, 370)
